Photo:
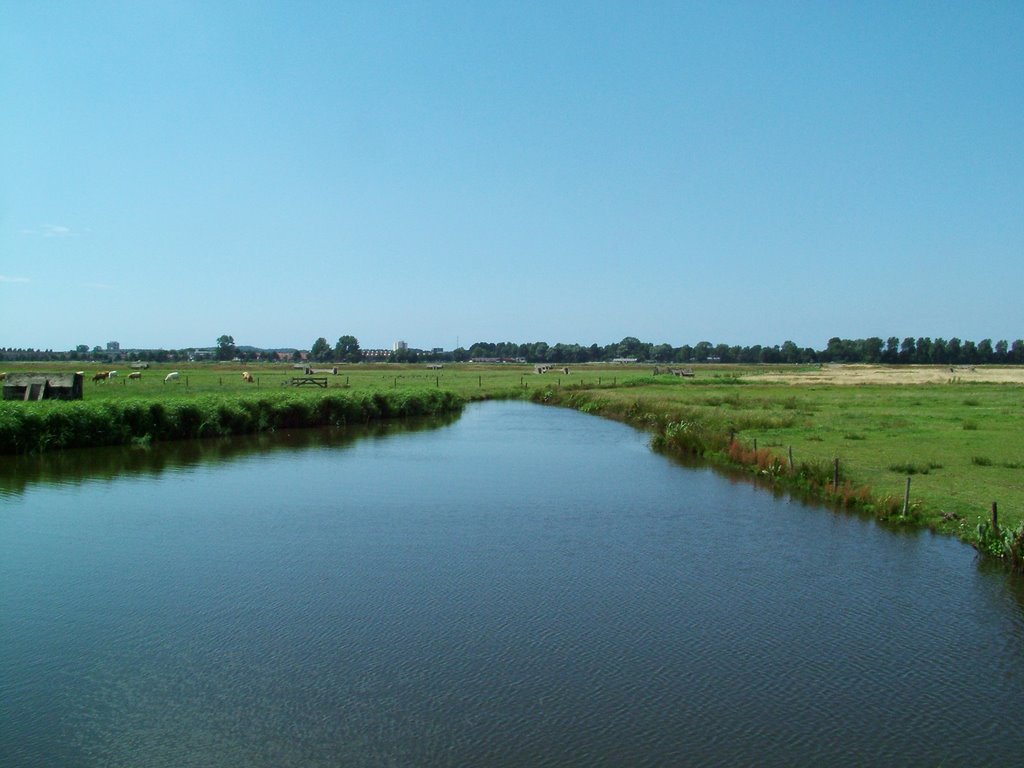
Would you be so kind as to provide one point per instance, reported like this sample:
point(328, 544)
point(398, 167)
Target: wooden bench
point(302, 381)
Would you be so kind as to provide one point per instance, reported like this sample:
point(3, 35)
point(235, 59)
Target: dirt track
point(898, 374)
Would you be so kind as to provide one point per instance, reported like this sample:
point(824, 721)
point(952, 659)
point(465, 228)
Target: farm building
point(43, 386)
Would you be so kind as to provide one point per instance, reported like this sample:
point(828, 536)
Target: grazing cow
point(135, 375)
point(172, 376)
point(246, 376)
point(3, 376)
point(101, 376)
point(112, 374)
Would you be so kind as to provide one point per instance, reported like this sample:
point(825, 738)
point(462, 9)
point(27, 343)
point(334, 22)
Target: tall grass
point(49, 425)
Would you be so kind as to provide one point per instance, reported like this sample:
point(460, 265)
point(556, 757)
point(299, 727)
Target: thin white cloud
point(52, 230)
point(9, 279)
point(57, 230)
point(100, 286)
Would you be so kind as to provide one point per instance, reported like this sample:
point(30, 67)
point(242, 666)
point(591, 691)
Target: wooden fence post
point(906, 498)
point(995, 519)
point(791, 458)
point(835, 474)
point(755, 445)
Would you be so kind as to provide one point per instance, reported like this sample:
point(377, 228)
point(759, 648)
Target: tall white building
point(400, 346)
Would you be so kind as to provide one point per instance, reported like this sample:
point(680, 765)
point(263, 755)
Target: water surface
point(525, 586)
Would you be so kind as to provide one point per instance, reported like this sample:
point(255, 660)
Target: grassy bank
point(959, 444)
point(54, 425)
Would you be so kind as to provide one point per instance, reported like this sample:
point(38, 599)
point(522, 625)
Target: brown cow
point(135, 375)
point(246, 376)
point(101, 376)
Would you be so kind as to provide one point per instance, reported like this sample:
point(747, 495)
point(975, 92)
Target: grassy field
point(958, 434)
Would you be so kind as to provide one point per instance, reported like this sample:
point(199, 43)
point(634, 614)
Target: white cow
point(172, 376)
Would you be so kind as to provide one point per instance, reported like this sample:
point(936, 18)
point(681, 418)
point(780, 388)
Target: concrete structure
point(43, 386)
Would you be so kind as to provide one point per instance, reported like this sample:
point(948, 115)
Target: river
point(521, 586)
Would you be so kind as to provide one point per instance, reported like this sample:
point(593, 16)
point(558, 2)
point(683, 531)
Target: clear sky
point(443, 172)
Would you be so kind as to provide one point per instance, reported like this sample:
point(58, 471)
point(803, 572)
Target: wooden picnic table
point(302, 381)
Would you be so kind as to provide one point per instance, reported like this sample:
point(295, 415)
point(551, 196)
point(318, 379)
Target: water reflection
point(19, 473)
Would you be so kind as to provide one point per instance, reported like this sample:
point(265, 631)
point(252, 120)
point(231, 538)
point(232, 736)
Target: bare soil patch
point(840, 374)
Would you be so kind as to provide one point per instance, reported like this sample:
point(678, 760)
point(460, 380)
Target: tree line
point(894, 351)
point(923, 350)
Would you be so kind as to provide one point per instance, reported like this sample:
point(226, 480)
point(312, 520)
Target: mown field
point(958, 434)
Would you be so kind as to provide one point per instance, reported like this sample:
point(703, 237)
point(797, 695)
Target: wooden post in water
point(835, 474)
point(906, 498)
point(995, 519)
point(791, 458)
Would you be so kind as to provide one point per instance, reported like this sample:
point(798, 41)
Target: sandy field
point(898, 374)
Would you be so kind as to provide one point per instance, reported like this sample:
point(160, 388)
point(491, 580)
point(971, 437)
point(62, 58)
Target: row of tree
point(346, 350)
point(922, 350)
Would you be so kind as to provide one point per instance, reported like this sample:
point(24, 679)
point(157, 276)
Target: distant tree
point(907, 349)
point(1001, 351)
point(320, 350)
point(702, 351)
point(631, 347)
point(790, 352)
point(923, 350)
point(892, 350)
point(1017, 352)
point(663, 353)
point(82, 349)
point(969, 352)
point(347, 349)
point(985, 353)
point(953, 351)
point(226, 348)
point(873, 350)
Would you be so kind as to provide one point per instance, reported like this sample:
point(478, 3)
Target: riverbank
point(55, 425)
point(922, 456)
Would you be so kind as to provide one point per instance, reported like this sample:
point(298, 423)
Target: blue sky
point(450, 172)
